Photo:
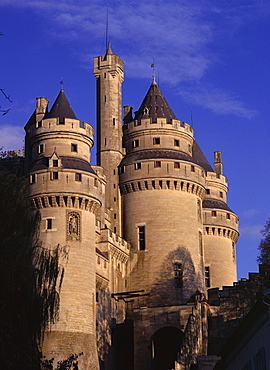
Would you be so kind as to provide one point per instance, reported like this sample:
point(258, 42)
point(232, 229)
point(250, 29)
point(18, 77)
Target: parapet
point(68, 125)
point(161, 123)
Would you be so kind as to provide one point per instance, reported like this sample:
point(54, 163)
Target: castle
point(144, 233)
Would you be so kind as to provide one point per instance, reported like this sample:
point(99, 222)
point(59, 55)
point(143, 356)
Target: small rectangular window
point(113, 121)
point(228, 216)
point(55, 163)
point(214, 213)
point(49, 223)
point(74, 147)
point(135, 143)
point(176, 142)
point(207, 191)
point(55, 175)
point(221, 194)
point(137, 166)
point(141, 236)
point(192, 168)
point(207, 276)
point(32, 178)
point(156, 140)
point(176, 165)
point(40, 148)
point(157, 164)
point(78, 177)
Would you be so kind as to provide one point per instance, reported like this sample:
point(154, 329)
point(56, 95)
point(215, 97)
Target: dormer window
point(55, 162)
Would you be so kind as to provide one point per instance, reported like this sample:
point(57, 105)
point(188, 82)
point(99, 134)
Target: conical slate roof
point(61, 108)
point(154, 106)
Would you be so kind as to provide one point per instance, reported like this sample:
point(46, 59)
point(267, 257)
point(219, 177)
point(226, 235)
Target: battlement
point(68, 125)
point(161, 123)
point(110, 62)
point(213, 177)
point(112, 244)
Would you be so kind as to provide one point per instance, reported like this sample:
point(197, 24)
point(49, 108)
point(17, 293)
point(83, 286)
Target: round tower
point(220, 230)
point(162, 181)
point(68, 193)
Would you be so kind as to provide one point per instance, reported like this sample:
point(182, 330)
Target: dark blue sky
point(211, 57)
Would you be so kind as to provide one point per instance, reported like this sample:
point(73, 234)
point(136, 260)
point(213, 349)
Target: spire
point(154, 105)
point(109, 50)
point(61, 108)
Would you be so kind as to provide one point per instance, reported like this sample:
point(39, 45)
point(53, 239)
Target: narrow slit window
point(141, 236)
point(207, 276)
point(178, 275)
point(49, 224)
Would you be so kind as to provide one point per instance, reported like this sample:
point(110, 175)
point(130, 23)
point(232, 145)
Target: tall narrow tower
point(109, 72)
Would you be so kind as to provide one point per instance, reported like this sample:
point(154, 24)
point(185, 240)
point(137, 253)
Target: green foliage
point(264, 246)
point(30, 278)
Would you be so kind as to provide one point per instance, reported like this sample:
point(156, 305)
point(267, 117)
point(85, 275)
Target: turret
point(220, 230)
point(162, 182)
point(68, 194)
point(109, 72)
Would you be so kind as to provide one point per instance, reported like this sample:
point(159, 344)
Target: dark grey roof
point(67, 163)
point(155, 154)
point(216, 204)
point(198, 157)
point(61, 108)
point(154, 106)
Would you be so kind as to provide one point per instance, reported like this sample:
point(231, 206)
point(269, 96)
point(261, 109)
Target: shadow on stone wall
point(164, 291)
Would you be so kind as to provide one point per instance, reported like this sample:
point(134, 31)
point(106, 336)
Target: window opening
point(49, 223)
point(74, 147)
point(178, 275)
point(176, 142)
point(156, 140)
point(141, 235)
point(135, 143)
point(207, 276)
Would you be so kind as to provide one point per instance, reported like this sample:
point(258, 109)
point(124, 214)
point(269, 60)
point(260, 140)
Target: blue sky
point(211, 57)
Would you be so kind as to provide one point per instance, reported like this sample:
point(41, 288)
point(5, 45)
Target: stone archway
point(165, 344)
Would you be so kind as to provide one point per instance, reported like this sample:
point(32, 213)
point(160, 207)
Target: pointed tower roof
point(61, 108)
point(154, 105)
point(108, 51)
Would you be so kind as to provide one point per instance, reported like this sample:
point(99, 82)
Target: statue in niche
point(73, 225)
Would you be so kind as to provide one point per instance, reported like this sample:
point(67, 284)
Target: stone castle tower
point(144, 233)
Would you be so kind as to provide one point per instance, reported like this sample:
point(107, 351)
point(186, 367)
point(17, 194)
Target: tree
point(30, 277)
point(264, 246)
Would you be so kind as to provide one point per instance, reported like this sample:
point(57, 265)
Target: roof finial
point(62, 84)
point(153, 71)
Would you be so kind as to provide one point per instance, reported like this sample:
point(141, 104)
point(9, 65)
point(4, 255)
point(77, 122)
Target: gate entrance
point(165, 344)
